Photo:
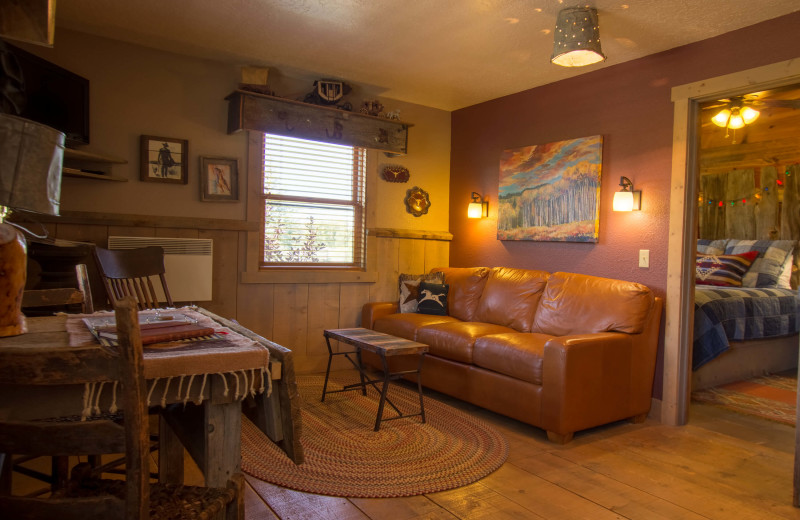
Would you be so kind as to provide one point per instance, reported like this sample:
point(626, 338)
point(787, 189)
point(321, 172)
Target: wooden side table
point(384, 345)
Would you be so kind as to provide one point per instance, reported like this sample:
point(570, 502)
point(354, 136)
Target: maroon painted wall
point(629, 105)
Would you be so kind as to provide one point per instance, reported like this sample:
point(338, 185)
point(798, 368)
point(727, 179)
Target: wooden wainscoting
point(290, 314)
point(295, 314)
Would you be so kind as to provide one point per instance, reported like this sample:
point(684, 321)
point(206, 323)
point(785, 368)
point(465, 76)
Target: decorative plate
point(417, 201)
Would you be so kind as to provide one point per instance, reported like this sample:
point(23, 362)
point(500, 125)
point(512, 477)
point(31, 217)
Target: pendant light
point(577, 38)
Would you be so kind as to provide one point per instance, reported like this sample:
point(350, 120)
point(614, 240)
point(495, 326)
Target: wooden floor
point(720, 466)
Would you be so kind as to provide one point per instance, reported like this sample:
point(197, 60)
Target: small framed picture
point(219, 179)
point(164, 159)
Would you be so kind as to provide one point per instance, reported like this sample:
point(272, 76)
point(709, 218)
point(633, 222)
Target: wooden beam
point(410, 233)
point(156, 221)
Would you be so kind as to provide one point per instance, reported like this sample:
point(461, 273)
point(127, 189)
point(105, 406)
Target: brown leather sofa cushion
point(455, 340)
point(466, 285)
point(515, 354)
point(581, 304)
point(511, 296)
point(405, 325)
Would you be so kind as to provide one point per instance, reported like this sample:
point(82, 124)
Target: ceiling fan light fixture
point(735, 116)
point(577, 38)
point(721, 119)
point(736, 122)
point(749, 114)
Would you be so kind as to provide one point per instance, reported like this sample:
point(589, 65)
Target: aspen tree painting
point(550, 192)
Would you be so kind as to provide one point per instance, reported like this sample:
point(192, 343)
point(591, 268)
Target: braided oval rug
point(344, 457)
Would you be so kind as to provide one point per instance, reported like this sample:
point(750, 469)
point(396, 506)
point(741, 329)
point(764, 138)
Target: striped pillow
point(723, 270)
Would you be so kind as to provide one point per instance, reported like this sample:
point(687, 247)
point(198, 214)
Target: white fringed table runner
point(243, 364)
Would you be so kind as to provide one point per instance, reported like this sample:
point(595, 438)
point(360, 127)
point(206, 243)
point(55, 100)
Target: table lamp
point(31, 155)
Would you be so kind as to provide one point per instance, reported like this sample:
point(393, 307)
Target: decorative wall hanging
point(417, 201)
point(372, 108)
point(219, 179)
point(163, 159)
point(329, 92)
point(394, 173)
point(550, 192)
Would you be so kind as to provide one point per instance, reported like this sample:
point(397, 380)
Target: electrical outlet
point(644, 258)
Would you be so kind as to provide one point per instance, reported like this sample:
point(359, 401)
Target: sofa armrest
point(373, 310)
point(589, 379)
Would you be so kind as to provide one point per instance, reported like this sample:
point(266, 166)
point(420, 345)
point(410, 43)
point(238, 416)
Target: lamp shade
point(577, 38)
point(623, 201)
point(475, 210)
point(31, 156)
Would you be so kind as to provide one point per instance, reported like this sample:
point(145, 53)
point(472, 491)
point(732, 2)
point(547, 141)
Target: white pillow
point(785, 278)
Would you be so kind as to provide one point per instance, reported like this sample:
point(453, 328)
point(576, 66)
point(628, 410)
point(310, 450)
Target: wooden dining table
point(198, 388)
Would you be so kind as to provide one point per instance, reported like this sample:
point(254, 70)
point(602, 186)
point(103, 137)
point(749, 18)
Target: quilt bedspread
point(730, 314)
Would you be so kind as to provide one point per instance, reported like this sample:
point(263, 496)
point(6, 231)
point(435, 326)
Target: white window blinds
point(313, 204)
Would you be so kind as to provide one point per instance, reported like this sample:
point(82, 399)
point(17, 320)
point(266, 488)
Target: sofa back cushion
point(581, 304)
point(511, 296)
point(466, 286)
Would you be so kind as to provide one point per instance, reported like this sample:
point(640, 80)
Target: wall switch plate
point(644, 258)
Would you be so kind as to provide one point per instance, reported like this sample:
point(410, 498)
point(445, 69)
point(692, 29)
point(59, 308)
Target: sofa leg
point(638, 419)
point(559, 438)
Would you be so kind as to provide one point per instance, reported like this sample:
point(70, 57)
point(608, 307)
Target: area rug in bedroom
point(772, 397)
point(344, 457)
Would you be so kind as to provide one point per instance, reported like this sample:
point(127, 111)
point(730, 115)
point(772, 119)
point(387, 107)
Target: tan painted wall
point(137, 90)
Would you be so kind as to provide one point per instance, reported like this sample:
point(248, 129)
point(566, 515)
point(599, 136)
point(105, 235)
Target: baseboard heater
point(188, 264)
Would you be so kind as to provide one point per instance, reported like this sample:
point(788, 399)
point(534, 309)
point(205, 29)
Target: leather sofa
point(561, 351)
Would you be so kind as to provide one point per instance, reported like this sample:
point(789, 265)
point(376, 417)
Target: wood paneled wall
point(290, 314)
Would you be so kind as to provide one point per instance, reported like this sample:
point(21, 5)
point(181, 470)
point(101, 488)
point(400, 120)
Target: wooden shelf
point(77, 161)
point(71, 153)
point(286, 117)
point(72, 172)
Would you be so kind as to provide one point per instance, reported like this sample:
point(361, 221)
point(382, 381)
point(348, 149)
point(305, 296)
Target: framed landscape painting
point(550, 192)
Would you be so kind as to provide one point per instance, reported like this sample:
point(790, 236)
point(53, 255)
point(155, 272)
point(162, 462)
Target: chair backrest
point(127, 272)
point(76, 437)
point(37, 298)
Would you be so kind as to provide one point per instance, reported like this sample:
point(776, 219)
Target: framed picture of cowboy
point(164, 159)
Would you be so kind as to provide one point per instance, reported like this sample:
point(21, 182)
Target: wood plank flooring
point(721, 465)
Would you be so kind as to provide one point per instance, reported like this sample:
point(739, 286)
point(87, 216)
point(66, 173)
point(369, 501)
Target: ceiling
point(446, 54)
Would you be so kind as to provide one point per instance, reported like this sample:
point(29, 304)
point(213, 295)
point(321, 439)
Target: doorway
point(680, 264)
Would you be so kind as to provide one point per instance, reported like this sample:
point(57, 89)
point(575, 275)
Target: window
point(313, 204)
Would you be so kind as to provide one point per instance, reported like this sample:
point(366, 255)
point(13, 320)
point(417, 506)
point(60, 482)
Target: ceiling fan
point(737, 111)
point(758, 100)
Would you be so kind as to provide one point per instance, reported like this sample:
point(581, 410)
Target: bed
point(748, 330)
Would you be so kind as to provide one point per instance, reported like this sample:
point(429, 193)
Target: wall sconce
point(577, 38)
point(478, 208)
point(627, 199)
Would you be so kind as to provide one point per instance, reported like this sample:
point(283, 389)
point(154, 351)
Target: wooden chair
point(128, 271)
point(41, 300)
point(86, 496)
point(38, 298)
